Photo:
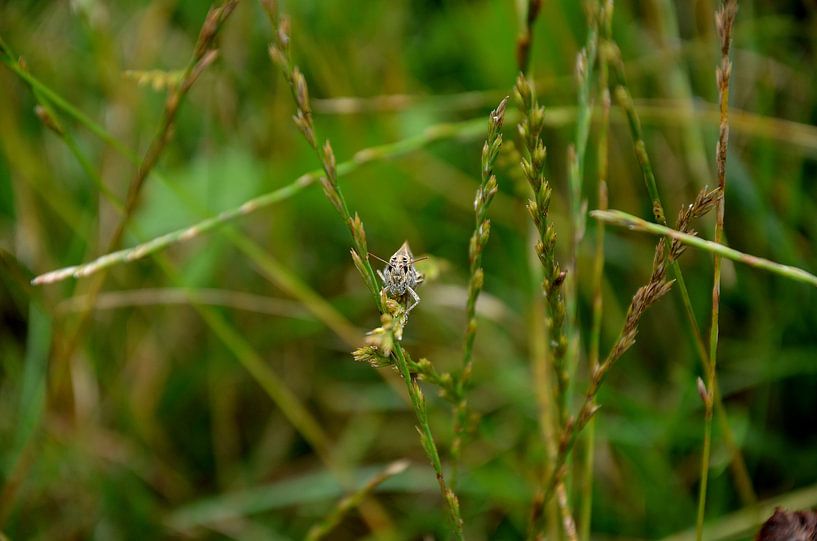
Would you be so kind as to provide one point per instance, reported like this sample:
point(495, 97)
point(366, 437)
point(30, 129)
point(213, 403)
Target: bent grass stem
point(634, 223)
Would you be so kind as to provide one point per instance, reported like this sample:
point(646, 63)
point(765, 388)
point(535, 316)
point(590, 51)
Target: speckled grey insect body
point(400, 278)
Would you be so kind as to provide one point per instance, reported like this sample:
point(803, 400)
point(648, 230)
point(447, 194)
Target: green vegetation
point(195, 342)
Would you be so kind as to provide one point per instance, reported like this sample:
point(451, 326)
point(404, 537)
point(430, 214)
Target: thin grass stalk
point(173, 296)
point(724, 20)
point(634, 223)
point(625, 101)
point(273, 270)
point(300, 418)
point(461, 130)
point(675, 76)
point(647, 295)
point(289, 282)
point(565, 513)
point(525, 40)
point(533, 153)
point(374, 515)
point(545, 398)
point(585, 511)
point(267, 265)
point(737, 464)
point(329, 522)
point(50, 119)
point(482, 230)
point(664, 112)
point(17, 66)
point(204, 54)
point(533, 166)
point(585, 64)
point(269, 381)
point(280, 54)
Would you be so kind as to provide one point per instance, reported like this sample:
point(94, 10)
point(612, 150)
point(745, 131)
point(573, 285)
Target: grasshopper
point(400, 278)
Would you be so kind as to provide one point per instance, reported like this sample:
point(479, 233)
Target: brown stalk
point(525, 39)
point(724, 20)
point(204, 55)
point(656, 287)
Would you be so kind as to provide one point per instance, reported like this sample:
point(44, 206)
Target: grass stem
point(482, 229)
point(533, 152)
point(625, 101)
point(203, 55)
point(634, 223)
point(724, 19)
point(525, 40)
point(280, 54)
point(463, 130)
point(585, 511)
point(585, 64)
point(322, 529)
point(647, 295)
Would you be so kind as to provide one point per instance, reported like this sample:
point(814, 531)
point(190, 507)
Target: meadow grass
point(134, 411)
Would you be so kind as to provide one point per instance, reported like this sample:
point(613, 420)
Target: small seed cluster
point(533, 153)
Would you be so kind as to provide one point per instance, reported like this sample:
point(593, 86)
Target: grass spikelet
point(533, 154)
point(533, 166)
point(485, 194)
point(647, 295)
point(724, 20)
point(386, 338)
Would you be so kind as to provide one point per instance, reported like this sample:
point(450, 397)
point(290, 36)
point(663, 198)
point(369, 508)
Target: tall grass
point(393, 316)
point(724, 20)
point(131, 416)
point(482, 200)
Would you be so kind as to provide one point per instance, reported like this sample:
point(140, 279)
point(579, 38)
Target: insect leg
point(415, 297)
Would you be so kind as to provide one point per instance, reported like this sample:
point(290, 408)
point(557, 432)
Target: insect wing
point(404, 251)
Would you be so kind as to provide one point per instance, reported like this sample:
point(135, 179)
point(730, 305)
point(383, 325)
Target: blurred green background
point(154, 427)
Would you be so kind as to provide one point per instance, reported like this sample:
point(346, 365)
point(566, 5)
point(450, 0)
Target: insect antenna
point(419, 259)
point(379, 259)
